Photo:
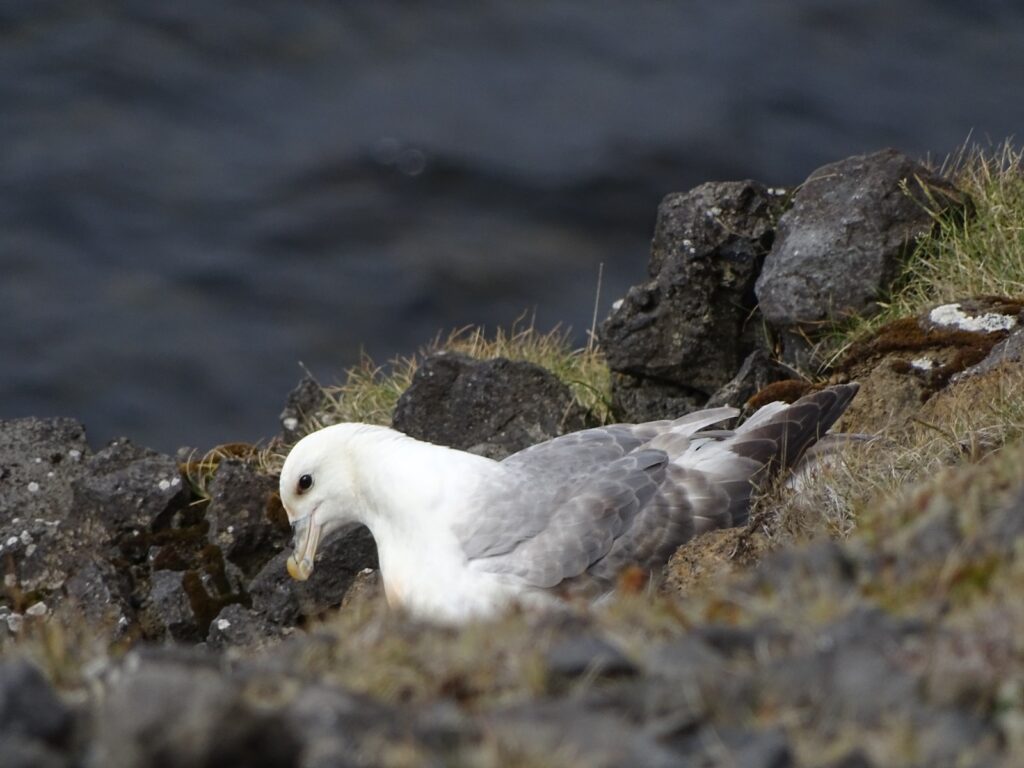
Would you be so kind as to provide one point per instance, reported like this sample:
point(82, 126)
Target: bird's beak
point(306, 537)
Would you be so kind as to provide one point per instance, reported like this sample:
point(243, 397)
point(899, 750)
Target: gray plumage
point(584, 506)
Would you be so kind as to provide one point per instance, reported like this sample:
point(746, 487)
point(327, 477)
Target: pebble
point(37, 609)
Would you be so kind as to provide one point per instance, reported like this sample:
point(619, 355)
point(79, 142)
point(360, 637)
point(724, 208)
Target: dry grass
point(960, 426)
point(370, 391)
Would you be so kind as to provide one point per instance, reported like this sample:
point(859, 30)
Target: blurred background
point(197, 196)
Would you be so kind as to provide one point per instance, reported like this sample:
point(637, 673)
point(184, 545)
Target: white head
point(318, 490)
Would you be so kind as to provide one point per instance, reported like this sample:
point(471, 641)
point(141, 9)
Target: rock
point(102, 594)
point(335, 726)
point(29, 707)
point(1009, 350)
point(247, 521)
point(168, 609)
point(303, 405)
point(282, 600)
point(130, 488)
point(176, 712)
point(40, 537)
point(541, 729)
point(587, 654)
point(689, 327)
point(824, 564)
point(492, 407)
point(758, 749)
point(757, 372)
point(855, 758)
point(19, 752)
point(1004, 527)
point(905, 362)
point(39, 458)
point(845, 239)
point(851, 671)
point(637, 400)
point(687, 660)
point(240, 627)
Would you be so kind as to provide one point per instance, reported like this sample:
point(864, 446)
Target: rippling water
point(194, 198)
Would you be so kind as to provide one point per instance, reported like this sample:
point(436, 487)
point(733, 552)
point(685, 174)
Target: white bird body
point(408, 493)
point(461, 536)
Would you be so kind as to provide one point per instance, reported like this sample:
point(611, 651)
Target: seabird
point(461, 536)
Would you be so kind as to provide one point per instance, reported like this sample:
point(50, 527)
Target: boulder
point(168, 609)
point(636, 400)
point(29, 707)
point(246, 519)
point(129, 488)
point(686, 331)
point(239, 627)
point(40, 538)
point(185, 712)
point(757, 372)
point(845, 239)
point(303, 405)
point(492, 407)
point(282, 601)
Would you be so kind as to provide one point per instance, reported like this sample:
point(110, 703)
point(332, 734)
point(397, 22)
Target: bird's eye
point(305, 483)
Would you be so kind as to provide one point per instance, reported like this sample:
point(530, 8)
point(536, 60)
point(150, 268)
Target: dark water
point(196, 196)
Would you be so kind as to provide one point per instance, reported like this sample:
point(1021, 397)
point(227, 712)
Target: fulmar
point(461, 536)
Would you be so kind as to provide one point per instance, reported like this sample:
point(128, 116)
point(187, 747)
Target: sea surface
point(197, 197)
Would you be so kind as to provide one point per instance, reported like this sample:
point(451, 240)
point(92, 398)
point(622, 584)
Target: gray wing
point(587, 516)
point(543, 478)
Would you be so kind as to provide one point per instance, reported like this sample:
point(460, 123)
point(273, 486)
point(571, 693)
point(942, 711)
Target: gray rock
point(282, 600)
point(757, 372)
point(587, 654)
point(853, 759)
point(131, 488)
point(824, 564)
point(568, 727)
point(240, 627)
point(168, 609)
point(851, 671)
point(303, 403)
point(688, 661)
point(102, 594)
point(47, 452)
point(246, 521)
point(176, 712)
point(41, 538)
point(689, 327)
point(29, 707)
point(1005, 526)
point(493, 407)
point(845, 238)
point(637, 400)
point(20, 752)
point(1009, 350)
point(342, 729)
point(759, 749)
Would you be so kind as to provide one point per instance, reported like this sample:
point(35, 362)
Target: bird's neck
point(409, 493)
point(406, 484)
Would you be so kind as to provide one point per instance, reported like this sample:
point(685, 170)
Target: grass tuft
point(370, 391)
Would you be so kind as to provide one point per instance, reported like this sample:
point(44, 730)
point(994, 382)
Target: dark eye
point(305, 483)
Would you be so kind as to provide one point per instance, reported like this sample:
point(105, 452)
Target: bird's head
point(317, 491)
